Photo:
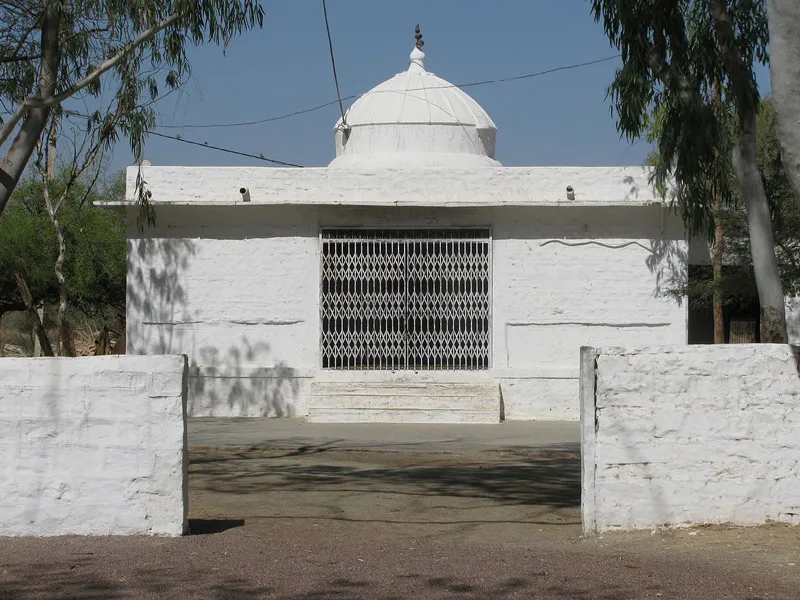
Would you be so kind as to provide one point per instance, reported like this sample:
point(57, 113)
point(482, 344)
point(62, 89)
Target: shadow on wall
point(156, 298)
point(44, 454)
point(167, 315)
point(633, 192)
point(227, 384)
point(669, 263)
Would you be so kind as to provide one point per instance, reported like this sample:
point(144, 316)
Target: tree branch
point(12, 59)
point(27, 299)
point(723, 25)
point(658, 65)
point(18, 155)
point(107, 65)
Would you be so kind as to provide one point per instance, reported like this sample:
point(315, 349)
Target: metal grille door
point(405, 299)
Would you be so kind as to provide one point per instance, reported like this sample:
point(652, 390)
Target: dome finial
point(417, 58)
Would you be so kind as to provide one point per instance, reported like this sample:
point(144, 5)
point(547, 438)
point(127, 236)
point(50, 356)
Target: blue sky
point(557, 119)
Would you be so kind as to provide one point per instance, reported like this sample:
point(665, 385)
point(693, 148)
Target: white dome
point(415, 119)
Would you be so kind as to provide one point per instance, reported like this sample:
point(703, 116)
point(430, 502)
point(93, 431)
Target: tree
point(674, 52)
point(27, 248)
point(79, 171)
point(784, 35)
point(701, 207)
point(53, 50)
point(737, 286)
point(95, 263)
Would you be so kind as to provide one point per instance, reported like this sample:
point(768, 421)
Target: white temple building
point(414, 279)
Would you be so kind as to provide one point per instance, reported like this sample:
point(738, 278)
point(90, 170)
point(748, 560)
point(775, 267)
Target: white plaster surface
point(237, 290)
point(421, 187)
point(680, 435)
point(93, 446)
point(415, 118)
point(414, 97)
point(793, 320)
point(405, 402)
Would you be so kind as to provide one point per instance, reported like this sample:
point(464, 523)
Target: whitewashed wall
point(793, 320)
point(679, 435)
point(93, 446)
point(238, 294)
point(237, 289)
point(422, 187)
point(564, 278)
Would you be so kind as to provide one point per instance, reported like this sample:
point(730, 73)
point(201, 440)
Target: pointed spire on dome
point(417, 58)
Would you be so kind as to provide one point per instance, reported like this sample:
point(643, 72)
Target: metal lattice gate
point(414, 299)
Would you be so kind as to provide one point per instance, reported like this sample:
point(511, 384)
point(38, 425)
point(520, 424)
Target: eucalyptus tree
point(81, 169)
point(54, 50)
point(784, 33)
point(735, 286)
point(674, 54)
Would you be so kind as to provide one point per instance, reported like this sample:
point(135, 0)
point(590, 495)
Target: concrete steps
point(378, 402)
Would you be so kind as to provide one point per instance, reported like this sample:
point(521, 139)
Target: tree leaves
point(95, 266)
point(143, 42)
point(674, 53)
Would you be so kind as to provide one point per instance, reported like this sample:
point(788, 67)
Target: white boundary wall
point(93, 446)
point(681, 435)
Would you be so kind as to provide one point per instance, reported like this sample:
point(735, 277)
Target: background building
point(413, 279)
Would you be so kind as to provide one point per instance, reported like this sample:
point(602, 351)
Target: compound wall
point(93, 446)
point(680, 435)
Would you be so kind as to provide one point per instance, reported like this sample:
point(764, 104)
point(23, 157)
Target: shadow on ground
point(89, 578)
point(315, 524)
point(514, 476)
point(208, 526)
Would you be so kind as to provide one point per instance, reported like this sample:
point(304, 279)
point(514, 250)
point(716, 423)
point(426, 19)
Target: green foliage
point(95, 241)
point(674, 53)
point(96, 251)
point(116, 56)
point(784, 210)
point(737, 286)
point(92, 31)
point(27, 246)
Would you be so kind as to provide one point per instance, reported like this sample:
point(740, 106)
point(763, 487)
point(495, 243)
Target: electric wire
point(339, 101)
point(228, 150)
point(333, 61)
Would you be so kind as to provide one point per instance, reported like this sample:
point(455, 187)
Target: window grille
point(405, 299)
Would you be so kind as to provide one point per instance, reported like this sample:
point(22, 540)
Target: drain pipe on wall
point(245, 194)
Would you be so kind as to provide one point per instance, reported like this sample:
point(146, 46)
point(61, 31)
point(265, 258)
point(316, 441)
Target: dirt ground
point(316, 522)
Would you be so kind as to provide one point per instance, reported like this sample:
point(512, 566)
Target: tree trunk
point(67, 339)
point(37, 345)
point(65, 345)
point(64, 338)
point(17, 157)
point(718, 306)
point(101, 344)
point(759, 224)
point(784, 65)
point(38, 327)
point(719, 238)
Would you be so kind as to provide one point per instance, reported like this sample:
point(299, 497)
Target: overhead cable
point(228, 150)
point(339, 101)
point(333, 62)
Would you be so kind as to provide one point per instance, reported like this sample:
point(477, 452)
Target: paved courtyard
point(380, 436)
point(292, 511)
